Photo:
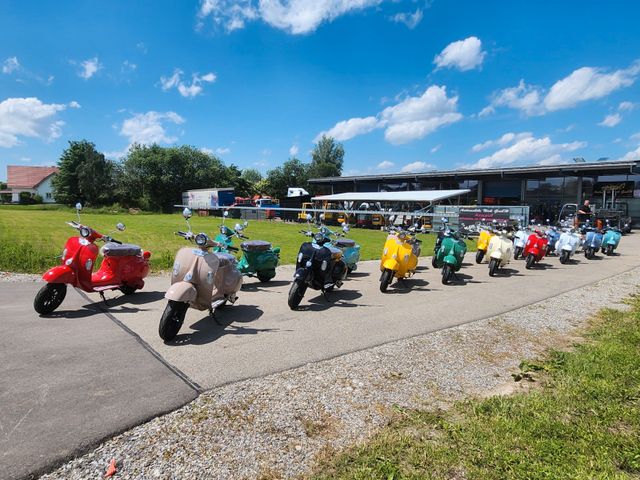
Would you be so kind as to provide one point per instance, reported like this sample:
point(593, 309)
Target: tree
point(327, 158)
point(85, 176)
point(292, 173)
point(154, 177)
point(251, 175)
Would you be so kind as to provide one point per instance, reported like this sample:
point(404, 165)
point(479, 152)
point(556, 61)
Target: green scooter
point(448, 252)
point(258, 257)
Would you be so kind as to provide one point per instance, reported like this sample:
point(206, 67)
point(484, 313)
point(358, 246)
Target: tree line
point(152, 177)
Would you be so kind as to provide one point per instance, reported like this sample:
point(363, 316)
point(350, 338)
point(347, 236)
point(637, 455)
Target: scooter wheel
point(49, 298)
point(516, 253)
point(564, 257)
point(385, 280)
point(128, 289)
point(296, 293)
point(493, 267)
point(609, 250)
point(172, 319)
point(434, 263)
point(479, 256)
point(264, 277)
point(530, 261)
point(447, 273)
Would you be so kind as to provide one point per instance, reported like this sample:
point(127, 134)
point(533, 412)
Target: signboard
point(473, 215)
point(622, 189)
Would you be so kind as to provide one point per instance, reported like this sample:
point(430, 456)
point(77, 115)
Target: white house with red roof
point(35, 180)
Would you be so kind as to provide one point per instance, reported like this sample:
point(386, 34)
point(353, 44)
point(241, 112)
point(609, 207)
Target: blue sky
point(406, 85)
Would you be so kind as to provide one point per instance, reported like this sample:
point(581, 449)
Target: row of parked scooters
point(207, 275)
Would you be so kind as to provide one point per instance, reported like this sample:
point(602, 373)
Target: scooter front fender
point(451, 260)
point(302, 274)
point(391, 264)
point(184, 292)
point(60, 274)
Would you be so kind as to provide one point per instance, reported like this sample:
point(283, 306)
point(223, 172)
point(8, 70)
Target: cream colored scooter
point(499, 251)
point(201, 279)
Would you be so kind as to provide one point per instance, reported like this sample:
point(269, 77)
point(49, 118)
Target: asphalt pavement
point(92, 370)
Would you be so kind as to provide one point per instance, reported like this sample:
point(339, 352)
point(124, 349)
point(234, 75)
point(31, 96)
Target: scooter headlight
point(299, 257)
point(318, 237)
point(85, 232)
point(64, 254)
point(201, 239)
point(323, 266)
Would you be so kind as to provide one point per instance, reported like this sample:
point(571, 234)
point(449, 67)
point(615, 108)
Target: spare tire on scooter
point(172, 319)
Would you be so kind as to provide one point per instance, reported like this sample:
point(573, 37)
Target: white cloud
point(464, 55)
point(74, 104)
point(525, 98)
point(292, 16)
point(142, 47)
point(528, 149)
point(583, 84)
point(293, 151)
point(206, 150)
point(436, 148)
point(411, 119)
point(411, 20)
point(223, 151)
point(611, 120)
point(635, 137)
point(148, 128)
point(186, 90)
point(348, 129)
point(89, 68)
point(626, 106)
point(588, 83)
point(10, 65)
point(128, 67)
point(505, 139)
point(385, 165)
point(634, 154)
point(416, 117)
point(415, 167)
point(28, 117)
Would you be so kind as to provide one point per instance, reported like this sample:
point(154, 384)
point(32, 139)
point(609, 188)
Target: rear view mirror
point(186, 213)
point(322, 217)
point(309, 217)
point(78, 206)
point(238, 227)
point(246, 224)
point(120, 226)
point(226, 213)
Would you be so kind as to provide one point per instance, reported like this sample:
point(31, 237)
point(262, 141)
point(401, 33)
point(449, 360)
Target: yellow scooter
point(486, 234)
point(399, 256)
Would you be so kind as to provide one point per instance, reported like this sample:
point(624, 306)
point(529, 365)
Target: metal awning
point(418, 196)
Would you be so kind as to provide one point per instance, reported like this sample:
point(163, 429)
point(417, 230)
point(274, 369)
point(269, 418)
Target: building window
point(48, 196)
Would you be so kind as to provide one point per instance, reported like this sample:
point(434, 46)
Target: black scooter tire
point(609, 250)
point(493, 267)
point(296, 293)
point(49, 298)
point(447, 273)
point(564, 257)
point(264, 277)
point(479, 256)
point(531, 260)
point(385, 280)
point(434, 263)
point(172, 319)
point(517, 252)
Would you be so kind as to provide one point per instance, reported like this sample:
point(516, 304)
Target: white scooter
point(499, 251)
point(519, 241)
point(567, 244)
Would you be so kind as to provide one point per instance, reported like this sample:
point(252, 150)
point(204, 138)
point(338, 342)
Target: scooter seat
point(125, 250)
point(225, 258)
point(345, 243)
point(255, 246)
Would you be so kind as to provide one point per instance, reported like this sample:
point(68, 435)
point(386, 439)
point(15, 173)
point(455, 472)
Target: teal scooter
point(258, 257)
point(350, 249)
point(449, 252)
point(611, 239)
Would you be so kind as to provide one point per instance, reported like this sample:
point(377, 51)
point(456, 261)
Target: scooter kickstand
point(104, 299)
point(212, 314)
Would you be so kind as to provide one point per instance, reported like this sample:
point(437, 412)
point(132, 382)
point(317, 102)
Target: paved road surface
point(70, 380)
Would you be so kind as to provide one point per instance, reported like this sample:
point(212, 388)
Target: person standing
point(584, 213)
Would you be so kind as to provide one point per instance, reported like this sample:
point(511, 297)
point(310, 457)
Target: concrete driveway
point(68, 381)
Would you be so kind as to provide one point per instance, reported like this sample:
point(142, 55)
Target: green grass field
point(583, 423)
point(31, 237)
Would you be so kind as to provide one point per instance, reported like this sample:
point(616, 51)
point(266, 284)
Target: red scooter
point(536, 248)
point(123, 268)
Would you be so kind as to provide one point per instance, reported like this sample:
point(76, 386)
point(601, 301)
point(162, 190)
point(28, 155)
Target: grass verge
point(31, 238)
point(583, 422)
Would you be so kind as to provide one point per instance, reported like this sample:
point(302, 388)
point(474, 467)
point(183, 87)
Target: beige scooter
point(499, 251)
point(201, 279)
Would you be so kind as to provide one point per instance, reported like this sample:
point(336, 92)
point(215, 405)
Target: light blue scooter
point(611, 239)
point(350, 249)
point(592, 241)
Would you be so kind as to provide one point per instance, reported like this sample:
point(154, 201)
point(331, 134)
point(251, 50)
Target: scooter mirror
point(120, 226)
point(246, 224)
point(226, 213)
point(309, 217)
point(444, 219)
point(186, 213)
point(322, 217)
point(78, 206)
point(238, 227)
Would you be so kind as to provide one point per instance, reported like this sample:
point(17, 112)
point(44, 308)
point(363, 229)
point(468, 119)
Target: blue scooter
point(611, 239)
point(553, 235)
point(592, 241)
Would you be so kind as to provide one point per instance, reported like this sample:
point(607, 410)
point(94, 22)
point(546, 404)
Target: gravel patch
point(19, 277)
point(279, 425)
